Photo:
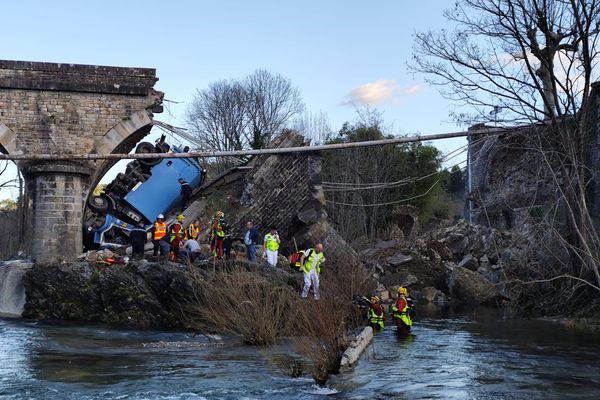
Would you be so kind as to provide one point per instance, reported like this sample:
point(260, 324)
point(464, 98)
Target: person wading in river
point(375, 314)
point(403, 312)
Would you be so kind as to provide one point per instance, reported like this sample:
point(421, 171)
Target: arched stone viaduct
point(49, 108)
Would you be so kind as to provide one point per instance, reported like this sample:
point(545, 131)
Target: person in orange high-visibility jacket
point(193, 231)
point(159, 230)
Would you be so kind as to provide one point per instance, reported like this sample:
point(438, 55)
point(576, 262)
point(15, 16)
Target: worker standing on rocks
point(159, 230)
point(271, 246)
point(186, 193)
point(403, 312)
point(251, 239)
point(177, 234)
point(137, 238)
point(311, 262)
point(375, 314)
point(217, 234)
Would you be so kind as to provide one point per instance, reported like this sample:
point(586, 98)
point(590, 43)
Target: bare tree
point(272, 102)
point(314, 126)
point(238, 114)
point(536, 59)
point(11, 212)
point(217, 115)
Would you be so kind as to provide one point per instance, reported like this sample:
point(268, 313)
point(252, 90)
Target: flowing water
point(452, 355)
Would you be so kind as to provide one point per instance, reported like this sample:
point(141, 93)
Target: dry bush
point(247, 304)
point(262, 308)
point(326, 326)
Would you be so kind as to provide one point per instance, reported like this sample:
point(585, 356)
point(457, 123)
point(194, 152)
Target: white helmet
point(160, 216)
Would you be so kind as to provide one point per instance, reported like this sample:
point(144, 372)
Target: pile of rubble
point(462, 262)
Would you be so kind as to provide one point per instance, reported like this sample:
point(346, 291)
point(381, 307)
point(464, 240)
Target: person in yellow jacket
point(271, 246)
point(218, 231)
point(310, 263)
point(375, 314)
point(403, 312)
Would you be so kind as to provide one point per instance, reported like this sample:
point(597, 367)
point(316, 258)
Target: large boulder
point(399, 259)
point(472, 288)
point(429, 294)
point(469, 262)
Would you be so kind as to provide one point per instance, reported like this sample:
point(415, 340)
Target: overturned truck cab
point(148, 187)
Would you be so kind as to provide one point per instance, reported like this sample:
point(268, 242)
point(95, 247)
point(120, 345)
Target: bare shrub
point(247, 304)
point(262, 307)
point(326, 326)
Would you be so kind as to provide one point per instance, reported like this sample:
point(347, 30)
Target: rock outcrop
point(138, 295)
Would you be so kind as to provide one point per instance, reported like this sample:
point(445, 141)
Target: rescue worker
point(271, 246)
point(186, 193)
point(137, 238)
point(217, 234)
point(193, 231)
point(177, 234)
point(402, 312)
point(159, 230)
point(375, 314)
point(311, 262)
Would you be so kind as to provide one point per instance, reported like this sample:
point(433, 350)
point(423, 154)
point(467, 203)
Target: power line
point(388, 203)
point(273, 151)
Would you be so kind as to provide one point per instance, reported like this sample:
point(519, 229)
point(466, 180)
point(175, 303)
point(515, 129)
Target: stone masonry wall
point(278, 191)
point(510, 184)
point(57, 211)
point(48, 108)
point(64, 122)
point(285, 191)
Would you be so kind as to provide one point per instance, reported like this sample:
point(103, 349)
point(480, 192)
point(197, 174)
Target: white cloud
point(381, 91)
point(412, 90)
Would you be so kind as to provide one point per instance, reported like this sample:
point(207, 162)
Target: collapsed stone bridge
point(49, 108)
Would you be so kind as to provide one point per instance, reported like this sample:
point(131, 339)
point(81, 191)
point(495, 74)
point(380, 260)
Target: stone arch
point(121, 138)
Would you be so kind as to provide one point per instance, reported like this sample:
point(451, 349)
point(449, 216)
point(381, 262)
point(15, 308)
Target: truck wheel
point(146, 148)
point(99, 204)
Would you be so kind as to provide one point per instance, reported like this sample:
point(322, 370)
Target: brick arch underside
point(8, 140)
point(121, 138)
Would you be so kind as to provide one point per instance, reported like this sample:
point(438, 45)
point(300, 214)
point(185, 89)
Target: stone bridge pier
point(48, 108)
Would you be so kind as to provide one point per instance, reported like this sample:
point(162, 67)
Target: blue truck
point(148, 187)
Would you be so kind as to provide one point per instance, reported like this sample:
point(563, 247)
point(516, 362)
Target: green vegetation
point(364, 187)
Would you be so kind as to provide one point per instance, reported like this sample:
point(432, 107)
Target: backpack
point(295, 260)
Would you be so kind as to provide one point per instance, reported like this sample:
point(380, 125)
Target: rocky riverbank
point(460, 263)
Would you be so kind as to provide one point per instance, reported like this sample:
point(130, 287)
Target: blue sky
point(336, 52)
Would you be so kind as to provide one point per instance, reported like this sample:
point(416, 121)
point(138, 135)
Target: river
point(453, 354)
